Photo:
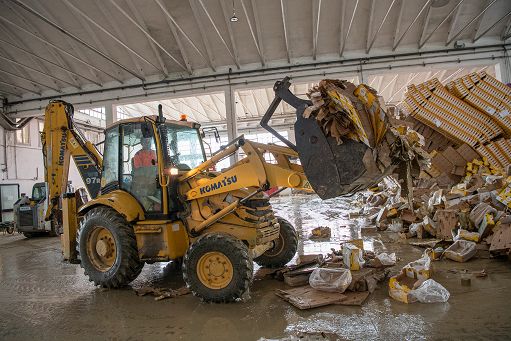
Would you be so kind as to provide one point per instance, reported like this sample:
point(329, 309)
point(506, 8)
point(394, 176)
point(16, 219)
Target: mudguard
point(121, 201)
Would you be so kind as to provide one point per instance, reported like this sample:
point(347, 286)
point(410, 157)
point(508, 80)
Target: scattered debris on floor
point(306, 297)
point(450, 193)
point(346, 276)
point(162, 293)
point(321, 232)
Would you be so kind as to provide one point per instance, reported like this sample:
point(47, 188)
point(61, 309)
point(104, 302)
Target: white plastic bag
point(332, 280)
point(386, 259)
point(430, 291)
point(420, 269)
point(396, 225)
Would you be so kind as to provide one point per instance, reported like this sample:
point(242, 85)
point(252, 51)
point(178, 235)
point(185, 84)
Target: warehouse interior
point(254, 89)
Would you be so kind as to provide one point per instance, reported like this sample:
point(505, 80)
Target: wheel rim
point(278, 246)
point(215, 270)
point(101, 248)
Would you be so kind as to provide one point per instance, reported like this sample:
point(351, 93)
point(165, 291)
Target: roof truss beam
point(370, 44)
point(477, 37)
point(283, 10)
point(16, 86)
point(14, 36)
point(171, 18)
point(35, 70)
point(120, 41)
point(48, 61)
point(470, 22)
point(254, 35)
point(147, 34)
point(316, 15)
point(60, 49)
point(76, 38)
point(202, 29)
point(229, 29)
point(426, 5)
point(30, 80)
point(349, 28)
point(455, 9)
point(234, 58)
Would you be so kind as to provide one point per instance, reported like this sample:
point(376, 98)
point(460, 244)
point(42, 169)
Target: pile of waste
point(467, 119)
point(472, 211)
point(346, 276)
point(346, 112)
point(462, 200)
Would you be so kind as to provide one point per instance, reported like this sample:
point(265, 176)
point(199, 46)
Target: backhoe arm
point(60, 140)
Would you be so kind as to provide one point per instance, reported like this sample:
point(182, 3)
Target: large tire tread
point(290, 237)
point(239, 257)
point(125, 269)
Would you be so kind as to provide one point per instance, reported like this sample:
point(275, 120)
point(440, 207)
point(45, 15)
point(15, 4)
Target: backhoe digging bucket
point(332, 170)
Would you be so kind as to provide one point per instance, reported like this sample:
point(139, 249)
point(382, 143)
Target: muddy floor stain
point(45, 298)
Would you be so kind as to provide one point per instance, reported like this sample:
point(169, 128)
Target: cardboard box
point(446, 222)
point(443, 164)
point(352, 256)
point(454, 157)
point(467, 153)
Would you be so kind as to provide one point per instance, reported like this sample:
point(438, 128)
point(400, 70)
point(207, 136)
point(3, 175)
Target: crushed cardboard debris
point(306, 297)
point(321, 232)
point(162, 293)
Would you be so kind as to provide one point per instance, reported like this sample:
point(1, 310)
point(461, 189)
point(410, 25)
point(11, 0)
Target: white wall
point(24, 164)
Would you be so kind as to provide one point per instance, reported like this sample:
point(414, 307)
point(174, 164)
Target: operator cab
point(135, 158)
point(39, 191)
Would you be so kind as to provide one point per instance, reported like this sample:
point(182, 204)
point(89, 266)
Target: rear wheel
point(107, 246)
point(284, 247)
point(218, 268)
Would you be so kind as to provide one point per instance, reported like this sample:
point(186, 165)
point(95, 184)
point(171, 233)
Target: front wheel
point(284, 247)
point(218, 268)
point(107, 246)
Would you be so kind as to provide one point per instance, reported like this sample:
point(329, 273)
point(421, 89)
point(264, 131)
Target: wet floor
point(45, 298)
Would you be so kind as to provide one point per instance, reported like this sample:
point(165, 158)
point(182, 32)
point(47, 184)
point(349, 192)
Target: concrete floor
point(45, 298)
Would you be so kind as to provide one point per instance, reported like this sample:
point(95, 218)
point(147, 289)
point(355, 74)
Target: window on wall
point(94, 112)
point(266, 138)
point(40, 125)
point(211, 145)
point(122, 114)
point(23, 135)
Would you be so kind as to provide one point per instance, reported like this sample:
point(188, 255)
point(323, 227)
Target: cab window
point(110, 173)
point(184, 147)
point(140, 164)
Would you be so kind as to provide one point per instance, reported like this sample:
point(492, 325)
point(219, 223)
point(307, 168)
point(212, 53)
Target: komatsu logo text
point(226, 181)
point(62, 150)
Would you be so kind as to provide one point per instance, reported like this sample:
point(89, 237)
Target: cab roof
point(153, 118)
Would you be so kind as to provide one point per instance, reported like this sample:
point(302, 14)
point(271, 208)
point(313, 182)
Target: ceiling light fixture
point(234, 18)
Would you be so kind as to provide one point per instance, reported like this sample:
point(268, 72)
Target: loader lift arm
point(61, 139)
point(251, 172)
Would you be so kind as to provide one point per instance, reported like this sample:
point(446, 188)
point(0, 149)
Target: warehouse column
point(110, 113)
point(291, 134)
point(503, 70)
point(230, 110)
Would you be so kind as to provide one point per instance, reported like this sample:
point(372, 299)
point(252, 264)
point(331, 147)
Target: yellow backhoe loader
point(154, 197)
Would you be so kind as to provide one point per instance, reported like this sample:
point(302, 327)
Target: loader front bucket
point(332, 170)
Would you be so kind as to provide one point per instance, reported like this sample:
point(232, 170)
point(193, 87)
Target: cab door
point(139, 165)
point(131, 164)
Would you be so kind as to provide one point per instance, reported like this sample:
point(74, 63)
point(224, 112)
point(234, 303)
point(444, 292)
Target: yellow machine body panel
point(161, 240)
point(121, 201)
